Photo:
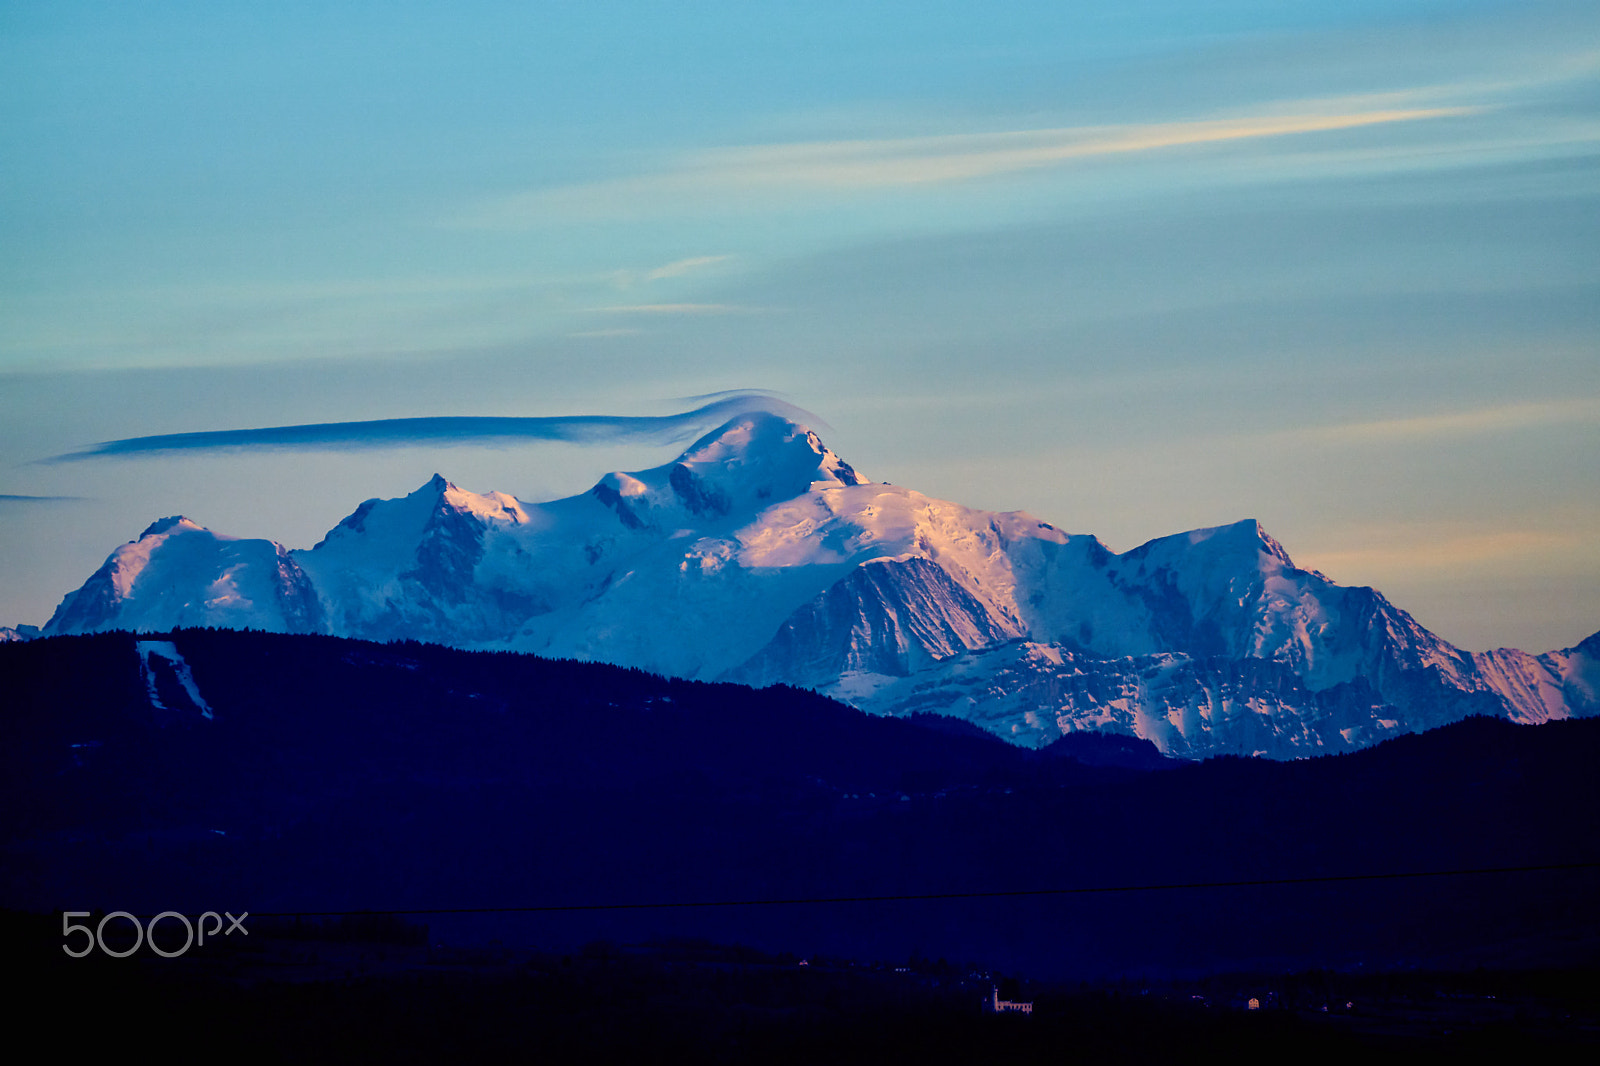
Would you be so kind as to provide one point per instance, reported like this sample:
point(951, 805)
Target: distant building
point(1004, 1006)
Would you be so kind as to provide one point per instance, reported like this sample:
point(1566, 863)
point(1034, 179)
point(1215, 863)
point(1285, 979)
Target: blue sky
point(1135, 269)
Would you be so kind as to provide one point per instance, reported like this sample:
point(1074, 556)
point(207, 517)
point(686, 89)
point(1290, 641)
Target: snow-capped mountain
point(180, 574)
point(760, 556)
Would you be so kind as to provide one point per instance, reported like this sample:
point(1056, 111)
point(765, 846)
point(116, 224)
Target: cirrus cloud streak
point(909, 162)
point(930, 160)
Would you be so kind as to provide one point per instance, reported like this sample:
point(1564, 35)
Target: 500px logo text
point(96, 936)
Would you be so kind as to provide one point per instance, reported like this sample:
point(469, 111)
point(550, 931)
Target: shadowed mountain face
point(886, 618)
point(209, 769)
point(759, 555)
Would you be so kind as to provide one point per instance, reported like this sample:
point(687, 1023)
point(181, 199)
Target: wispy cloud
point(675, 309)
point(7, 498)
point(680, 267)
point(930, 160)
point(745, 176)
point(1460, 423)
point(629, 277)
point(908, 162)
point(405, 432)
point(1431, 550)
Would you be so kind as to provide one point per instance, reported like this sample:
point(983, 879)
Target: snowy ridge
point(759, 555)
point(179, 573)
point(168, 651)
point(1544, 687)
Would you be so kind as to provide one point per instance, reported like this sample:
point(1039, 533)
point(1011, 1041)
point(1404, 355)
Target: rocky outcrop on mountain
point(888, 617)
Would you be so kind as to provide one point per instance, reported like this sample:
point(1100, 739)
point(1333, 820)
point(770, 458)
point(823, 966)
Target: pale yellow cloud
point(680, 267)
point(673, 309)
point(963, 157)
point(908, 162)
point(1410, 549)
point(1460, 423)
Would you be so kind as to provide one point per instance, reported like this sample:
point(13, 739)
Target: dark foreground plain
point(565, 824)
point(315, 993)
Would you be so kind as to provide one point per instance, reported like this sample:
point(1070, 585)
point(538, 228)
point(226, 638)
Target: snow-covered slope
point(760, 556)
point(680, 569)
point(181, 574)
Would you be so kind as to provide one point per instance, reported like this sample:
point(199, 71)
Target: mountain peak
point(1249, 534)
point(760, 441)
point(742, 467)
point(1243, 540)
point(166, 525)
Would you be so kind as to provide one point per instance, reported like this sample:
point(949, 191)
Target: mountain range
point(759, 556)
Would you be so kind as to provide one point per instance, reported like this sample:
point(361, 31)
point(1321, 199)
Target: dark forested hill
point(210, 770)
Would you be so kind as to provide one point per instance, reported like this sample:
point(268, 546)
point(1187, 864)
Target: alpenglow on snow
point(759, 556)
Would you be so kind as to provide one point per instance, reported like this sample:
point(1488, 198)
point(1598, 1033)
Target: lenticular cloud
point(401, 432)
